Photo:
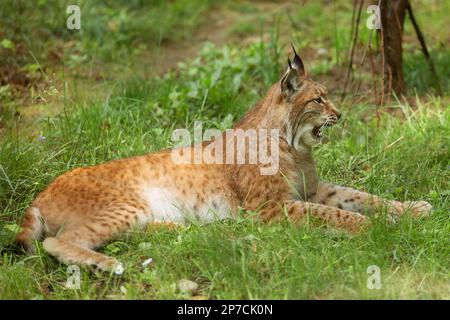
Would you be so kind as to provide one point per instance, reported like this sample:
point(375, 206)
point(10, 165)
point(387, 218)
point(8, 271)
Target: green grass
point(404, 158)
point(38, 53)
point(110, 30)
point(238, 259)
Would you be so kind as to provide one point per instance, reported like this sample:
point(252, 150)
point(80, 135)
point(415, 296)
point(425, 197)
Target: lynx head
point(305, 106)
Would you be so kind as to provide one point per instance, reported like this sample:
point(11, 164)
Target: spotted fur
point(86, 207)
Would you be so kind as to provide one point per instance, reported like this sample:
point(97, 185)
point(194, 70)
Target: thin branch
point(352, 52)
point(421, 39)
point(352, 30)
point(382, 60)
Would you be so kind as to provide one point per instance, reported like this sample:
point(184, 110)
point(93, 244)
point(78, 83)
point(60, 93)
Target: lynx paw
point(418, 208)
point(111, 264)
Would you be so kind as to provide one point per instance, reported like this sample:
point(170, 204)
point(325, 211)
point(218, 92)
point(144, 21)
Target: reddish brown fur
point(87, 206)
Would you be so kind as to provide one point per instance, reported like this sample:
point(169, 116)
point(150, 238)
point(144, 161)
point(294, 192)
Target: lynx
point(84, 208)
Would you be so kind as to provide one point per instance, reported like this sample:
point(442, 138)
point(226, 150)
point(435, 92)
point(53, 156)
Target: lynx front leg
point(359, 201)
point(298, 210)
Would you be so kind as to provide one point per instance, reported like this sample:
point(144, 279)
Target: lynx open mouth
point(318, 130)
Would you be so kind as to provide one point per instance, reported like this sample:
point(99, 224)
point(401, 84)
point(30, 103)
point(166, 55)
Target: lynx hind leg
point(75, 244)
point(68, 252)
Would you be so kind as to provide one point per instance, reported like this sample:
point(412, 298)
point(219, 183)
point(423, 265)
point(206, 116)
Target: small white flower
point(147, 262)
point(118, 269)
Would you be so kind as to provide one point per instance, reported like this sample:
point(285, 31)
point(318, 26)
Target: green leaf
point(112, 248)
point(8, 44)
point(31, 67)
point(12, 227)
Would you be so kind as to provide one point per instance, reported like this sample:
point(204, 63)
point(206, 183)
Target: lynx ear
point(298, 63)
point(296, 70)
point(291, 80)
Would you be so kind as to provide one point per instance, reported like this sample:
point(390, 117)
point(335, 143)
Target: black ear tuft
point(298, 63)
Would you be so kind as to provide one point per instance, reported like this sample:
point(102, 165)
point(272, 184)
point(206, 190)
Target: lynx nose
point(335, 114)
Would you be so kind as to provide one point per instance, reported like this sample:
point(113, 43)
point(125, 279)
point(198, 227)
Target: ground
point(120, 87)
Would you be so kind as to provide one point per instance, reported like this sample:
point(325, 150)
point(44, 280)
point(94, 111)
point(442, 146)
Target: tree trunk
point(392, 17)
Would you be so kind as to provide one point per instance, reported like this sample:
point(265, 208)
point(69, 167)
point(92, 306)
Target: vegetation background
point(136, 70)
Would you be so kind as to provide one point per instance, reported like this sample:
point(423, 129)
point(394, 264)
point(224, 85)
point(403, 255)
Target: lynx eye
point(318, 100)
